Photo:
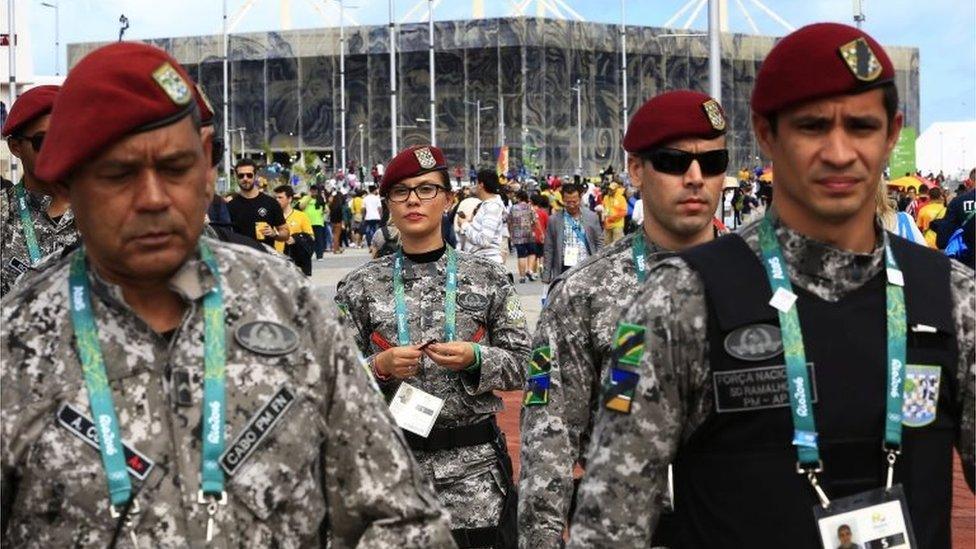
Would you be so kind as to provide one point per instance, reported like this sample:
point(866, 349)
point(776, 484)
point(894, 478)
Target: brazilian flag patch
point(537, 380)
point(619, 393)
point(628, 344)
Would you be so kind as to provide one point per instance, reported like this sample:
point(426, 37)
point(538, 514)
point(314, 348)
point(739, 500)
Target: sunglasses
point(245, 176)
point(677, 162)
point(35, 140)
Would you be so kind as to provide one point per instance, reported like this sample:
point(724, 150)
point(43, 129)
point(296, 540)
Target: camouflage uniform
point(469, 480)
point(629, 457)
point(577, 325)
point(332, 466)
point(52, 237)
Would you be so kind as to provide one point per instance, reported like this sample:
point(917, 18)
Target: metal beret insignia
point(861, 60)
point(173, 84)
point(714, 113)
point(754, 342)
point(266, 338)
point(473, 302)
point(425, 158)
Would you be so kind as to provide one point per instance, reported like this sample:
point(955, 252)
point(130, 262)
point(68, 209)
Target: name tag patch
point(79, 425)
point(256, 430)
point(755, 388)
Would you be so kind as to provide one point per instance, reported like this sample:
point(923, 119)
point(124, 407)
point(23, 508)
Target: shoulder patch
point(921, 394)
point(628, 344)
point(754, 342)
point(537, 380)
point(266, 338)
point(472, 301)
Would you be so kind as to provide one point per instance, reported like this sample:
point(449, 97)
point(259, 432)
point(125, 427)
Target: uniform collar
point(192, 281)
point(826, 265)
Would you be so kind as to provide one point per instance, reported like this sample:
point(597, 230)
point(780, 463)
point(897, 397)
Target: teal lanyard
point(640, 261)
point(450, 298)
point(804, 427)
point(100, 394)
point(27, 224)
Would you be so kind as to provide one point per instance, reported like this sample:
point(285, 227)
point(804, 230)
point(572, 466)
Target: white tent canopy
point(949, 147)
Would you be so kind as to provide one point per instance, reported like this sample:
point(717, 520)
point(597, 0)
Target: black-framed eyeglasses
point(245, 175)
point(677, 162)
point(425, 191)
point(35, 140)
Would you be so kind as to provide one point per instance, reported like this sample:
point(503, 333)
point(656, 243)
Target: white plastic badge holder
point(874, 519)
point(415, 410)
point(571, 256)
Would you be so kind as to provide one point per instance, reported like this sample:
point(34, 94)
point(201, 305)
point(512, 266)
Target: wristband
point(476, 365)
point(376, 373)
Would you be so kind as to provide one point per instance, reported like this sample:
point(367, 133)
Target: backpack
point(390, 243)
point(957, 247)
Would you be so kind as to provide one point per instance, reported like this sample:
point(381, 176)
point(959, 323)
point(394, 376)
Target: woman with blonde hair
point(894, 221)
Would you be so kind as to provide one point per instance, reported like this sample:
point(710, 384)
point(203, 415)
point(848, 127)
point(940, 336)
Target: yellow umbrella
point(905, 182)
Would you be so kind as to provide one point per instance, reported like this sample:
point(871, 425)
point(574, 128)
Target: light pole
point(362, 155)
point(714, 51)
point(477, 127)
point(12, 82)
point(393, 86)
point(859, 13)
point(430, 61)
point(579, 126)
point(57, 35)
point(226, 109)
point(623, 63)
point(342, 81)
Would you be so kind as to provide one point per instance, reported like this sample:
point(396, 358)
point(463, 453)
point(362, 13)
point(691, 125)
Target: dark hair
point(843, 527)
point(522, 196)
point(935, 193)
point(289, 192)
point(245, 162)
point(889, 100)
point(571, 188)
point(489, 178)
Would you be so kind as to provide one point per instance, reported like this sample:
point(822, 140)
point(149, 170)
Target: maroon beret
point(112, 92)
point(31, 104)
point(817, 61)
point(674, 115)
point(203, 105)
point(411, 163)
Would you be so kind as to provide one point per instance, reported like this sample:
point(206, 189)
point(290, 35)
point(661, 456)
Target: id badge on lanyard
point(887, 504)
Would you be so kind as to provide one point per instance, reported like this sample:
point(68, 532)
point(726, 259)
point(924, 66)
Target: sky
point(943, 30)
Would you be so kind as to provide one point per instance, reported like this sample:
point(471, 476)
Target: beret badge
point(425, 158)
point(861, 60)
point(173, 84)
point(714, 114)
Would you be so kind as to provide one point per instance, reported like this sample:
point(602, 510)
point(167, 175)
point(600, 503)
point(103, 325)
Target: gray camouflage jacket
point(578, 326)
point(333, 461)
point(488, 309)
point(629, 455)
point(52, 238)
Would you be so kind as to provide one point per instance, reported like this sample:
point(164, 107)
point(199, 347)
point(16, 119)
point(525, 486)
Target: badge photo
point(877, 518)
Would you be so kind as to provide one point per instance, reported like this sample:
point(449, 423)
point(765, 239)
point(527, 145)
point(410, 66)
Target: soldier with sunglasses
point(677, 158)
point(36, 226)
point(442, 330)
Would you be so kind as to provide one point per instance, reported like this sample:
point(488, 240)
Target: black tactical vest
point(736, 483)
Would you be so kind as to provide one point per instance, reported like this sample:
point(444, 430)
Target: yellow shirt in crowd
point(297, 223)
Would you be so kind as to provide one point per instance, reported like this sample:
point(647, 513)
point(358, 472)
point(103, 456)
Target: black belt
point(483, 432)
point(485, 536)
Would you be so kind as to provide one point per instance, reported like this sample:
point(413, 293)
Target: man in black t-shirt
point(253, 213)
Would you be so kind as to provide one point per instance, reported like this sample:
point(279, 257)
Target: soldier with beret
point(163, 389)
point(442, 331)
point(677, 158)
point(809, 371)
point(36, 225)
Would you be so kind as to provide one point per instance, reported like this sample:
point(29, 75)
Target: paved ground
point(327, 273)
